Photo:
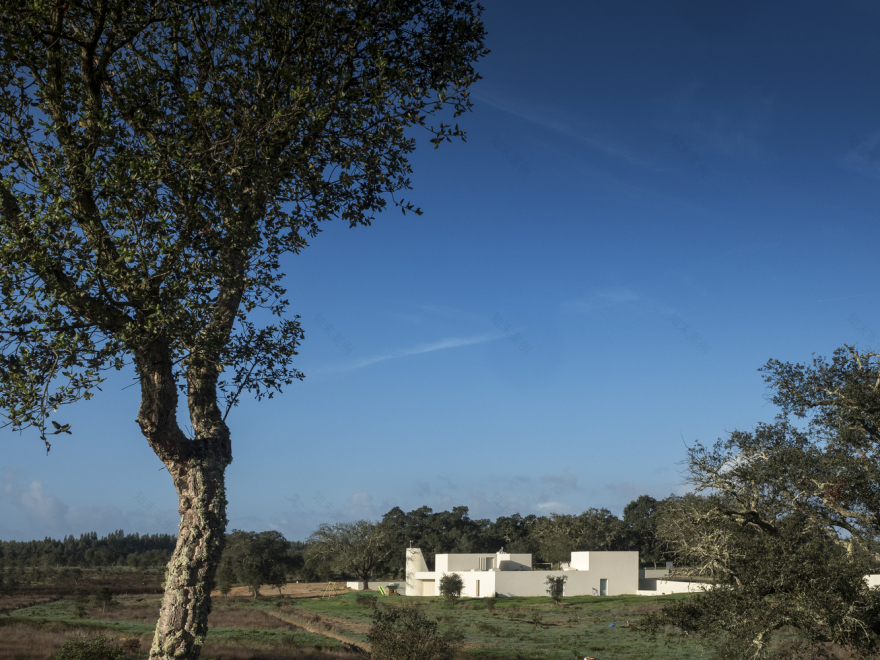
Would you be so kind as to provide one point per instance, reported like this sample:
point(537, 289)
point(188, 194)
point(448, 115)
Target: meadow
point(301, 624)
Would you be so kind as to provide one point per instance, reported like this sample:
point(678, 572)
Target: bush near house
point(451, 586)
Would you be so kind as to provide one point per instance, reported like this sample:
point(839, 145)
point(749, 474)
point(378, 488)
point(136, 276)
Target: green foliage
point(486, 627)
point(790, 527)
point(443, 531)
point(90, 550)
point(404, 633)
point(536, 618)
point(489, 602)
point(357, 548)
point(8, 584)
point(68, 576)
point(556, 587)
point(553, 637)
point(103, 597)
point(641, 516)
point(367, 600)
point(80, 599)
point(514, 533)
point(226, 577)
point(451, 586)
point(148, 197)
point(595, 529)
point(797, 581)
point(158, 161)
point(254, 559)
point(93, 648)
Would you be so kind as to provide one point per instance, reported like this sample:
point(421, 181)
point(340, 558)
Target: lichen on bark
point(183, 619)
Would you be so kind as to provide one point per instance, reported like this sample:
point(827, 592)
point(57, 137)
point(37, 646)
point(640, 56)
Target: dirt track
point(292, 589)
point(302, 618)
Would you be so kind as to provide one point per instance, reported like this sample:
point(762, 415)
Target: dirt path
point(292, 589)
point(302, 620)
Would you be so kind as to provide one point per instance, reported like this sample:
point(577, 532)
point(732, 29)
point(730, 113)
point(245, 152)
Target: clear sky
point(654, 199)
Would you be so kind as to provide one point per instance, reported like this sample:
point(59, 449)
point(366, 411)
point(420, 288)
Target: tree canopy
point(158, 160)
point(791, 519)
point(358, 547)
point(255, 559)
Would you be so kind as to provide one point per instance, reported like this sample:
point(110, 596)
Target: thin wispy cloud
point(863, 155)
point(601, 299)
point(443, 344)
point(591, 139)
point(733, 128)
point(618, 298)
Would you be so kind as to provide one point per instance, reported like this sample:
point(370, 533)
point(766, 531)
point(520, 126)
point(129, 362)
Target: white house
point(506, 574)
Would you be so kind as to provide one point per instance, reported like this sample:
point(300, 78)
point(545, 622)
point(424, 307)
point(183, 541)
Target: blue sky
point(654, 199)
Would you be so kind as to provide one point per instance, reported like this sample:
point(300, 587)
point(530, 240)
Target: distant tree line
point(333, 551)
point(89, 551)
point(343, 551)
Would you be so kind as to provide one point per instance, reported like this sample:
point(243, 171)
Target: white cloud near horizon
point(443, 344)
point(35, 511)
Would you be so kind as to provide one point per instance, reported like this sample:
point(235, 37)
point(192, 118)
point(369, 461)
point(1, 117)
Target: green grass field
point(298, 628)
point(580, 627)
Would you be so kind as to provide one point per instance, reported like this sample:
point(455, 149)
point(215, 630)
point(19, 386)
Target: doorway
point(603, 587)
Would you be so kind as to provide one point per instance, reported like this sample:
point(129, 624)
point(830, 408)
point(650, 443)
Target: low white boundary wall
point(653, 587)
point(374, 586)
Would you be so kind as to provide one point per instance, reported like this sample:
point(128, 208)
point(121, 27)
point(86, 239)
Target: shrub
point(366, 600)
point(80, 600)
point(103, 597)
point(404, 633)
point(451, 586)
point(94, 648)
point(487, 628)
point(556, 587)
point(490, 601)
point(536, 619)
point(131, 645)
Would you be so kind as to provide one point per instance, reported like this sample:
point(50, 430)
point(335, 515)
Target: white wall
point(453, 563)
point(515, 562)
point(620, 569)
point(464, 562)
point(873, 580)
point(579, 583)
point(655, 587)
point(374, 586)
point(415, 563)
point(487, 580)
point(580, 561)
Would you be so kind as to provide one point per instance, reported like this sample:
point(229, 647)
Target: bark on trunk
point(189, 578)
point(197, 467)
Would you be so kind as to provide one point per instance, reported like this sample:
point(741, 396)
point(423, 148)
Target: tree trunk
point(366, 583)
point(189, 578)
point(197, 467)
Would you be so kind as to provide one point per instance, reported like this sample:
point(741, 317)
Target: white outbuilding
point(510, 574)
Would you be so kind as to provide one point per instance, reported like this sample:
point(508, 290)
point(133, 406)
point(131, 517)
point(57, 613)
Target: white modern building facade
point(510, 574)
